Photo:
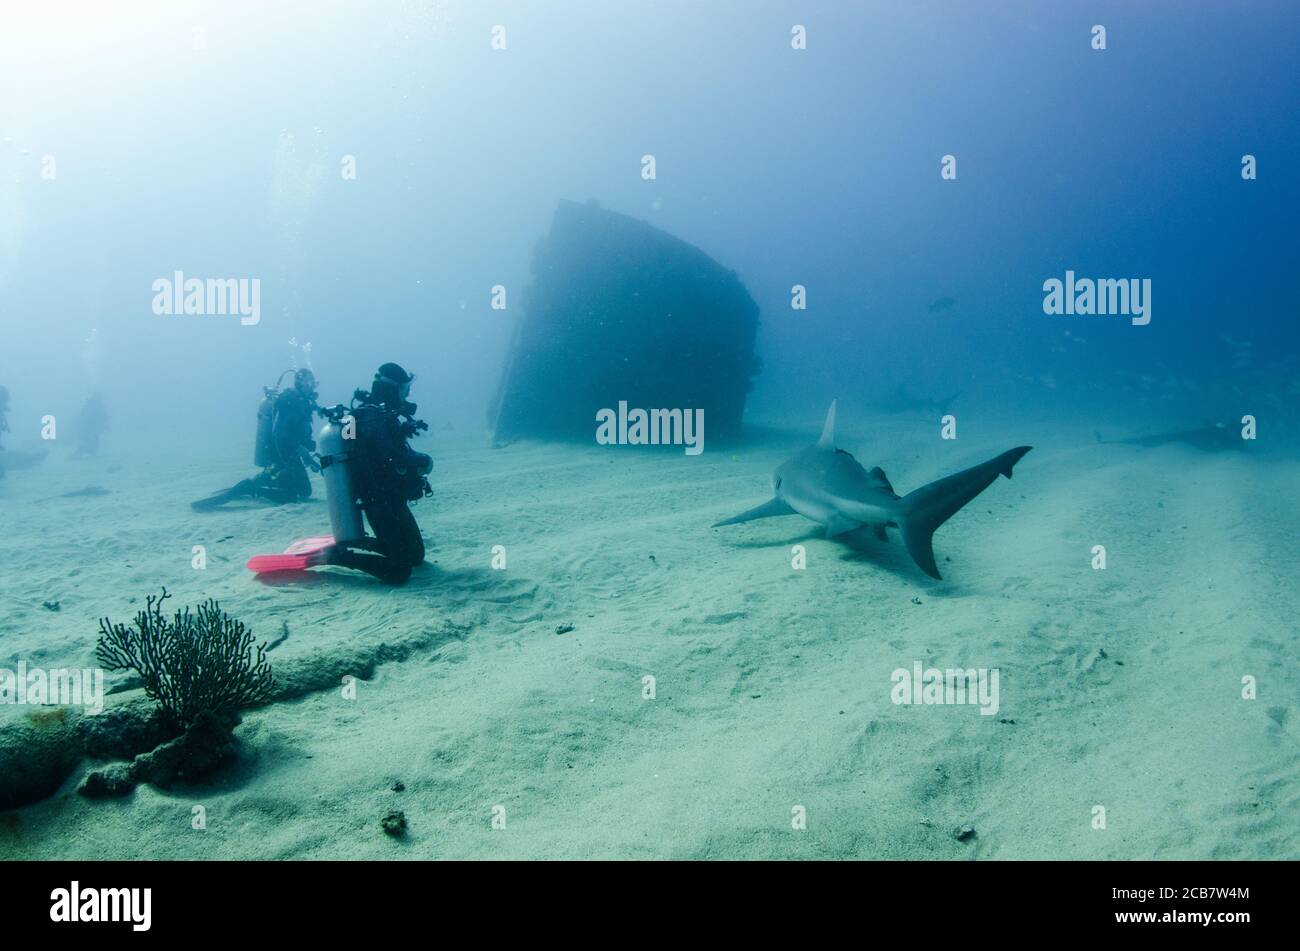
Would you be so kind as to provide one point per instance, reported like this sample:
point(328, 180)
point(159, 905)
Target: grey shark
point(902, 401)
point(830, 487)
point(1209, 438)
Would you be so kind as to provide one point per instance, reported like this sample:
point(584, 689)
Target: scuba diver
point(284, 447)
point(10, 459)
point(4, 422)
point(90, 425)
point(368, 463)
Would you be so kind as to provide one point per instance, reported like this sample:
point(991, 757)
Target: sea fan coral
point(196, 664)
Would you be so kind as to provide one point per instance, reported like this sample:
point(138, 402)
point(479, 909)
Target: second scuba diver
point(284, 447)
point(90, 426)
point(4, 421)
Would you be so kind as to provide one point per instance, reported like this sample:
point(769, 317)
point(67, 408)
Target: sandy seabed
point(1119, 688)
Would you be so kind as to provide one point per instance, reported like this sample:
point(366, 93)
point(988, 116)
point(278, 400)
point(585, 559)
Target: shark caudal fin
point(930, 506)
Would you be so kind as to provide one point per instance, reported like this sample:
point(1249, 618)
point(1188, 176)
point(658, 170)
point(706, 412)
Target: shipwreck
point(620, 312)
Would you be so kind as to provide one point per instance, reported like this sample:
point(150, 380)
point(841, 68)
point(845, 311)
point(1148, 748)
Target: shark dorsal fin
point(828, 430)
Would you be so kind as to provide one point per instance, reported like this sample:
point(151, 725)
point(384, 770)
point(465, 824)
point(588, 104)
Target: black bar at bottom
point(303, 900)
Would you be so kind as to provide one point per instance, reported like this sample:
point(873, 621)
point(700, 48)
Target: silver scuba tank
point(345, 512)
point(264, 453)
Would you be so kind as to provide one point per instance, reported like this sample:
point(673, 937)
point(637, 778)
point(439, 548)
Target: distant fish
point(1241, 352)
point(1209, 438)
point(903, 402)
point(941, 305)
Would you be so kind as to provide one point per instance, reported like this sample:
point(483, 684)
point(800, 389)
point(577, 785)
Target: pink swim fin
point(302, 554)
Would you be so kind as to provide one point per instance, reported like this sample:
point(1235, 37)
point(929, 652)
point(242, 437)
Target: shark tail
point(930, 506)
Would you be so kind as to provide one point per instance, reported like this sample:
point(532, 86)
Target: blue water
point(385, 172)
point(818, 167)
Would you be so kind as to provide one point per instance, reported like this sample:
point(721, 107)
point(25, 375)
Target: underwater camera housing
point(405, 410)
point(410, 428)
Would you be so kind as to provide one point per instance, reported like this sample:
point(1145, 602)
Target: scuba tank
point(335, 455)
point(264, 451)
point(264, 448)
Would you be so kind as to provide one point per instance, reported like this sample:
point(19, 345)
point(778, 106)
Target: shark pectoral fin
point(768, 509)
point(839, 524)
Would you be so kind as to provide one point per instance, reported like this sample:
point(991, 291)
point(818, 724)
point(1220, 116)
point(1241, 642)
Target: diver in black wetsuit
point(285, 449)
point(4, 423)
point(386, 474)
point(90, 426)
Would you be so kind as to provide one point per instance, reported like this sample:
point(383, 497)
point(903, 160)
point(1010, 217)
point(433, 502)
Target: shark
point(902, 401)
point(1208, 438)
point(826, 484)
point(90, 492)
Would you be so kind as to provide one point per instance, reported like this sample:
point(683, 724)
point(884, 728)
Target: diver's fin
point(211, 502)
point(768, 509)
point(302, 554)
point(246, 488)
point(931, 505)
point(264, 564)
point(309, 546)
point(828, 429)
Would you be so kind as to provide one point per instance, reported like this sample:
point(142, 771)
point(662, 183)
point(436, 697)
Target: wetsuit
point(386, 474)
point(91, 424)
point(4, 423)
point(286, 480)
